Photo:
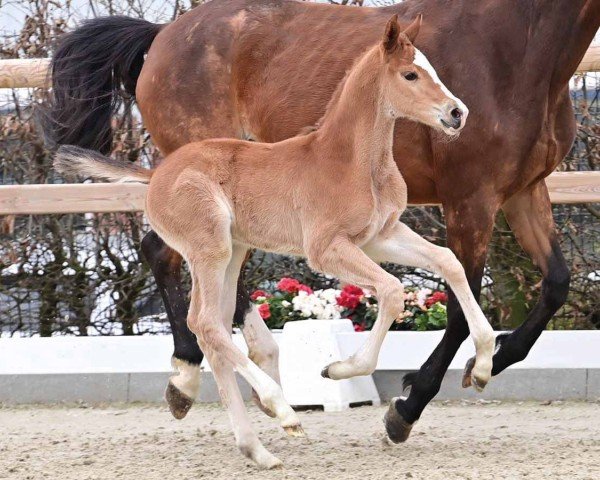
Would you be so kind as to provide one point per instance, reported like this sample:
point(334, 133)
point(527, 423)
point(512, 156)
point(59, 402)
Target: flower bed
point(291, 300)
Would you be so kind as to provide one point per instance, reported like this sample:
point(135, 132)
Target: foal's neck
point(357, 116)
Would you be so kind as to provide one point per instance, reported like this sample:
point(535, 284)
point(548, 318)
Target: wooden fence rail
point(564, 187)
point(21, 73)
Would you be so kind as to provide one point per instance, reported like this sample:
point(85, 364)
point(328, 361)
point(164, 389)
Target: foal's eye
point(410, 76)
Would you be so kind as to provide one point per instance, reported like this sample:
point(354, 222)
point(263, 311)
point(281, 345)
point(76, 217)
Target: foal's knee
point(451, 268)
point(391, 296)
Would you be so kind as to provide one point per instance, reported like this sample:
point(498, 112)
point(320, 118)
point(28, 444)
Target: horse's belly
point(282, 236)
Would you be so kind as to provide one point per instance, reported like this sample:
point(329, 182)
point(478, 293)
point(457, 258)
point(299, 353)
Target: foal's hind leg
point(211, 308)
point(213, 280)
point(262, 350)
point(165, 263)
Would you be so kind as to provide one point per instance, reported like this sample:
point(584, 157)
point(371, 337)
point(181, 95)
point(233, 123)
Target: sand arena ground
point(457, 440)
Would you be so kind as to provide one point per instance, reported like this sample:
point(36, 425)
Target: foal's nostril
point(456, 113)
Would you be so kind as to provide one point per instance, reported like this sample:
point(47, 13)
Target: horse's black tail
point(92, 68)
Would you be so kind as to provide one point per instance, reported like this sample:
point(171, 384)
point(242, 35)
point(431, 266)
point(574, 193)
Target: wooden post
point(591, 60)
point(24, 73)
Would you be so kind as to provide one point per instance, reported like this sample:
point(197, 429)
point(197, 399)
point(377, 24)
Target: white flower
point(422, 296)
point(285, 303)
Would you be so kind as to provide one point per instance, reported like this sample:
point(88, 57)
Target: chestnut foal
point(212, 201)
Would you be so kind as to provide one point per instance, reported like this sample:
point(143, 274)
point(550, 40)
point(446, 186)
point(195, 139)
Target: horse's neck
point(358, 119)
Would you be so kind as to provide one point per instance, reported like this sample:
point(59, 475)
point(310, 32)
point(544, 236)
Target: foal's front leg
point(350, 264)
point(403, 246)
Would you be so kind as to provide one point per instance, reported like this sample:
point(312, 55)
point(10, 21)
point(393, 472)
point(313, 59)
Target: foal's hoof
point(470, 380)
point(397, 428)
point(265, 410)
point(295, 431)
point(179, 403)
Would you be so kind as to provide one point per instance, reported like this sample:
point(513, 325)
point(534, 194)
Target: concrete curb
point(513, 384)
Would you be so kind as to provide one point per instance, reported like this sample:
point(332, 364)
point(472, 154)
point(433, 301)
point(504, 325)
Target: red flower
point(258, 293)
point(264, 310)
point(289, 285)
point(348, 300)
point(305, 288)
point(353, 290)
point(435, 298)
point(359, 327)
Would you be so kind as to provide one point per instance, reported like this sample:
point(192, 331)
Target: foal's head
point(411, 87)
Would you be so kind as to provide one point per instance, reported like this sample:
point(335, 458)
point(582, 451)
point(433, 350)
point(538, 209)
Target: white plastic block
point(307, 346)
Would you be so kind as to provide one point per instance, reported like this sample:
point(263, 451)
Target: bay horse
point(265, 69)
point(213, 201)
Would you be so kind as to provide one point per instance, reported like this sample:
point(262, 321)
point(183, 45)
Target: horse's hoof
point(179, 403)
point(295, 431)
point(398, 429)
point(325, 372)
point(265, 410)
point(477, 383)
point(466, 379)
point(470, 380)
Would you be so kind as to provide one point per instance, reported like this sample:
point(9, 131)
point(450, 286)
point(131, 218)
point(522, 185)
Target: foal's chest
point(388, 201)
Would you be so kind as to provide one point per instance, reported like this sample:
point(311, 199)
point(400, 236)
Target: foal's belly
point(272, 233)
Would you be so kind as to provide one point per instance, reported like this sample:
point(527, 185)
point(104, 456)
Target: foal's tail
point(71, 160)
point(93, 69)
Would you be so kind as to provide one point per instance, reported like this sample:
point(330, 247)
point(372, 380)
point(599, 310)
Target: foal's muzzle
point(454, 118)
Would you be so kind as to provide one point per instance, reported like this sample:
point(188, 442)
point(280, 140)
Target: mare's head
point(411, 87)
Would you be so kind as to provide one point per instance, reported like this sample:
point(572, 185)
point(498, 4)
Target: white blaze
point(421, 61)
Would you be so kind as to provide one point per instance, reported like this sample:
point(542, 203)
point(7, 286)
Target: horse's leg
point(403, 246)
point(350, 264)
point(165, 263)
point(245, 436)
point(529, 215)
point(214, 281)
point(214, 303)
point(468, 237)
point(262, 348)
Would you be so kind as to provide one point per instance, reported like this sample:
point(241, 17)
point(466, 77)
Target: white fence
point(562, 365)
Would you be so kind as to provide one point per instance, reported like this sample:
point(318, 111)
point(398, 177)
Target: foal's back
point(266, 192)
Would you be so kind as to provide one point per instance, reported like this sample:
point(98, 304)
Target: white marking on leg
point(188, 380)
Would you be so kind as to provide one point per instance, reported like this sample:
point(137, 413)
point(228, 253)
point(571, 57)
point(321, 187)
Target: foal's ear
point(413, 29)
point(390, 37)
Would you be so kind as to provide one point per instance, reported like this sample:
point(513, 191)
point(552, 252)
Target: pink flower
point(258, 293)
point(305, 288)
point(289, 285)
point(436, 297)
point(359, 327)
point(264, 310)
